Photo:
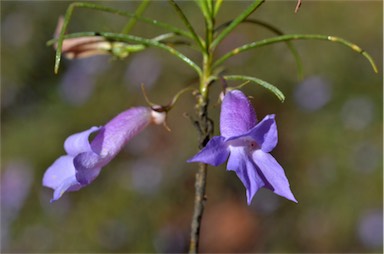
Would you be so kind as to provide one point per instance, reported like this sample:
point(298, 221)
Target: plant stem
point(205, 130)
point(200, 183)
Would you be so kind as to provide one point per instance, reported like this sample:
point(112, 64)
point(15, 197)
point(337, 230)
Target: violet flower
point(247, 144)
point(84, 159)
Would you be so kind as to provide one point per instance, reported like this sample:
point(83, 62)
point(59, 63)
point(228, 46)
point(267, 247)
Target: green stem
point(205, 129)
point(290, 37)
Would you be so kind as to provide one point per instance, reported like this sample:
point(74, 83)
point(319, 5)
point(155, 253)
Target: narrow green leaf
point(217, 7)
point(250, 9)
point(72, 6)
point(290, 37)
point(154, 22)
point(136, 39)
point(263, 83)
point(187, 23)
point(202, 4)
point(275, 30)
point(139, 11)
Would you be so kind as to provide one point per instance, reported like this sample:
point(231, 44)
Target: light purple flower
point(84, 159)
point(247, 143)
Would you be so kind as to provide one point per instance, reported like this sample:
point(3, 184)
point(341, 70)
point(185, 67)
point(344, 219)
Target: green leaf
point(217, 7)
point(116, 37)
point(290, 37)
point(250, 9)
point(261, 82)
point(275, 30)
point(72, 6)
point(202, 4)
point(196, 38)
point(139, 11)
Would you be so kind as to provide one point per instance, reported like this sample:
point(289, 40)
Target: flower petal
point(61, 169)
point(69, 184)
point(117, 132)
point(60, 176)
point(264, 133)
point(214, 153)
point(237, 114)
point(88, 166)
point(273, 173)
point(78, 142)
point(245, 169)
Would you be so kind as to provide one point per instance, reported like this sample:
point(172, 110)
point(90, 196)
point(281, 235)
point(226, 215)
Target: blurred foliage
point(142, 201)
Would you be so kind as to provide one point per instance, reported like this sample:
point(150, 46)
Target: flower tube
point(84, 160)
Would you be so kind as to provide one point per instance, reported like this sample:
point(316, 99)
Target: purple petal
point(60, 176)
point(117, 132)
point(69, 184)
point(245, 169)
point(237, 114)
point(264, 133)
point(214, 153)
point(78, 143)
point(85, 160)
point(273, 173)
point(88, 166)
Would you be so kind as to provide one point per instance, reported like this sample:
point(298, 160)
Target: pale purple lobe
point(240, 162)
point(61, 169)
point(214, 153)
point(60, 176)
point(79, 142)
point(264, 134)
point(273, 174)
point(237, 114)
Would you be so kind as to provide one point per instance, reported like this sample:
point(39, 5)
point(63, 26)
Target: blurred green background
point(330, 136)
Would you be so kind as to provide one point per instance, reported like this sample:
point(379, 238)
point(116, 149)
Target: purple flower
point(84, 159)
point(247, 144)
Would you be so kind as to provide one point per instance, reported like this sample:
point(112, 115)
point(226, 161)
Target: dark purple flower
point(247, 143)
point(84, 159)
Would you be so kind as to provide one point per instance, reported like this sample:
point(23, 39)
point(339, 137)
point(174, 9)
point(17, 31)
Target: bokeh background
point(330, 136)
